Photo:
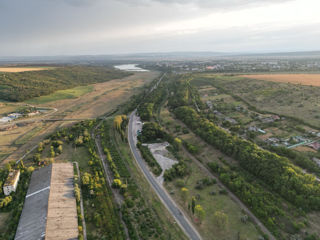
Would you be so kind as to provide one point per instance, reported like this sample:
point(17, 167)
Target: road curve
point(183, 222)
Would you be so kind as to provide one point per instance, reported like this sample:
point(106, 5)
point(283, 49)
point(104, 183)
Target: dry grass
point(23, 69)
point(104, 98)
point(235, 229)
point(303, 79)
point(305, 149)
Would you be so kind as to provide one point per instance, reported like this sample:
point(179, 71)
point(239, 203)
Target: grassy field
point(62, 94)
point(6, 108)
point(298, 101)
point(210, 203)
point(3, 219)
point(102, 98)
point(26, 137)
point(303, 79)
point(168, 224)
point(23, 69)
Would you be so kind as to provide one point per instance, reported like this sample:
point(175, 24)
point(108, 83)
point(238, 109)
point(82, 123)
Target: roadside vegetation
point(11, 206)
point(215, 215)
point(277, 191)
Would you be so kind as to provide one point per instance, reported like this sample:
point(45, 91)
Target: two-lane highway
point(180, 218)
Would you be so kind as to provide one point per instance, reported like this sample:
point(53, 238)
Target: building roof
point(32, 223)
point(62, 219)
point(49, 211)
point(12, 178)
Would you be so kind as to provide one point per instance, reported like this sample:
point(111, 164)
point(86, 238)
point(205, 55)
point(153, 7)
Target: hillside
point(21, 86)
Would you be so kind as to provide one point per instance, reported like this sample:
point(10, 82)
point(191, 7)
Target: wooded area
point(21, 86)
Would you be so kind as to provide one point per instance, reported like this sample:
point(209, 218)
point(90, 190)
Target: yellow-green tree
point(199, 211)
point(184, 194)
point(221, 219)
point(116, 183)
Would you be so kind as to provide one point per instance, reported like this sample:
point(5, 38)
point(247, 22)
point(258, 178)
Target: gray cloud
point(213, 4)
point(51, 27)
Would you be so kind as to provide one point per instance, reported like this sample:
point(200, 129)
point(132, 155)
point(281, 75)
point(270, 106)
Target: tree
point(116, 183)
point(52, 153)
point(8, 167)
point(193, 204)
point(40, 147)
point(221, 219)
point(184, 193)
point(37, 158)
point(77, 192)
point(86, 178)
point(200, 213)
point(59, 149)
point(177, 143)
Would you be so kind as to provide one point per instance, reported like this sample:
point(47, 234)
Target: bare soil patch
point(303, 79)
point(23, 69)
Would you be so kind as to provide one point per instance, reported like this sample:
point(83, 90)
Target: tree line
point(277, 172)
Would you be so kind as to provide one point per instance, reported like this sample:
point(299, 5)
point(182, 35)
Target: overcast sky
point(77, 27)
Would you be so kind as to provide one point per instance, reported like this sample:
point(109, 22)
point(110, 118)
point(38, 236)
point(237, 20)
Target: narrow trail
point(116, 194)
point(232, 196)
point(84, 226)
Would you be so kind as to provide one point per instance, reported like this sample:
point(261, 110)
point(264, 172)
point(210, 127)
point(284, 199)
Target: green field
point(62, 94)
point(293, 100)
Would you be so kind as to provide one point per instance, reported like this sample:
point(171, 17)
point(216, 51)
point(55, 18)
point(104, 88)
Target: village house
point(315, 145)
point(31, 114)
point(11, 183)
point(255, 129)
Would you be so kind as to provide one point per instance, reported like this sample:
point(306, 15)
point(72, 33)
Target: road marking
point(31, 194)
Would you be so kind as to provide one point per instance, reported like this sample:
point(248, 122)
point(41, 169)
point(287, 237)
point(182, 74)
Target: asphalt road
point(183, 222)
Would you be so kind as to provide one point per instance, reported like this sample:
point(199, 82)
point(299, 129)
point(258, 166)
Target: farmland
point(62, 94)
point(297, 101)
point(302, 79)
point(23, 69)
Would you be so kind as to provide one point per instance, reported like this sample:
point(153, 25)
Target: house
point(273, 140)
point(14, 115)
point(11, 183)
point(255, 129)
point(209, 104)
point(31, 114)
point(275, 117)
point(230, 120)
point(315, 145)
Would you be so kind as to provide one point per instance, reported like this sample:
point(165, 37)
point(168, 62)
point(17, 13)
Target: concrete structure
point(12, 182)
point(62, 219)
point(49, 210)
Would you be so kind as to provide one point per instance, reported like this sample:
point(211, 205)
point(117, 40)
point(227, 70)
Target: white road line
point(31, 194)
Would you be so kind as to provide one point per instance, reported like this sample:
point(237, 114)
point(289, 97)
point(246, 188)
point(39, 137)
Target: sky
point(94, 27)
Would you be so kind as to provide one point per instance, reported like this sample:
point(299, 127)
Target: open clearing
point(303, 79)
point(83, 104)
point(211, 203)
point(23, 69)
point(62, 94)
